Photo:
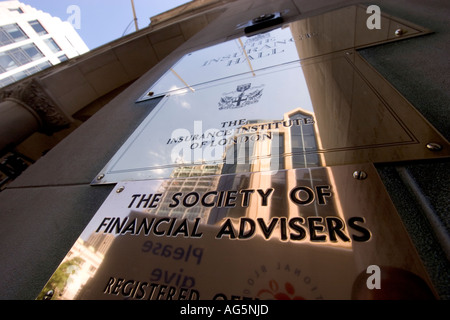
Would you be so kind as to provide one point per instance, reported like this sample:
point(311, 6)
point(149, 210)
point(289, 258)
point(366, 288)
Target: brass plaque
point(299, 96)
point(319, 233)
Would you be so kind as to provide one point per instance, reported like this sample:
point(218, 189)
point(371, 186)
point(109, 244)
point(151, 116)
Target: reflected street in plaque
point(295, 234)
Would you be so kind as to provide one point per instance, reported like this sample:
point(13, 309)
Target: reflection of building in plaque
point(187, 179)
point(332, 104)
point(274, 145)
point(302, 141)
point(80, 265)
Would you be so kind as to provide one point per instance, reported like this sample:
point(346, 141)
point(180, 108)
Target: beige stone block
point(108, 77)
point(163, 48)
point(97, 61)
point(70, 89)
point(104, 72)
point(192, 26)
point(213, 15)
point(65, 80)
point(164, 34)
point(77, 98)
point(136, 56)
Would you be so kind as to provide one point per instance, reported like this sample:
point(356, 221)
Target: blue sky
point(102, 21)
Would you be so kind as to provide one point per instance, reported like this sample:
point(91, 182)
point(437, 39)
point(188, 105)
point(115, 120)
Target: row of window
point(13, 33)
point(25, 73)
point(11, 59)
point(16, 57)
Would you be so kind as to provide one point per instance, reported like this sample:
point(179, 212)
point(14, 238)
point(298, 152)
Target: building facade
point(32, 40)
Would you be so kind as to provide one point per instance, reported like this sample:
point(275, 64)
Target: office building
point(32, 40)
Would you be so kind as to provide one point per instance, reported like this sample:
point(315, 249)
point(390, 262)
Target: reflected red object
point(273, 285)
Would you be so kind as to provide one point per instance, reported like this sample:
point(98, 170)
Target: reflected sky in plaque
point(245, 109)
point(342, 29)
point(245, 55)
point(299, 96)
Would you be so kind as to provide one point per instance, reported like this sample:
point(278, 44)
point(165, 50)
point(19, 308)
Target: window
point(25, 73)
point(303, 141)
point(11, 33)
point(20, 56)
point(63, 58)
point(19, 10)
point(37, 26)
point(52, 45)
point(37, 68)
point(13, 58)
point(44, 65)
point(32, 51)
point(6, 62)
point(20, 75)
point(6, 81)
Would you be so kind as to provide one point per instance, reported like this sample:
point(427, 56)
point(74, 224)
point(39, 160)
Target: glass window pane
point(52, 45)
point(19, 56)
point(20, 75)
point(19, 10)
point(32, 51)
point(310, 142)
point(4, 38)
point(15, 32)
point(44, 65)
point(11, 33)
point(6, 62)
point(63, 58)
point(37, 26)
point(6, 81)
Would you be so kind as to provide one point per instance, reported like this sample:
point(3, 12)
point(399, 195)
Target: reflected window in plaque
point(303, 139)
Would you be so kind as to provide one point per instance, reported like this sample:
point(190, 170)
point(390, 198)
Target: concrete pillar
point(26, 108)
point(17, 122)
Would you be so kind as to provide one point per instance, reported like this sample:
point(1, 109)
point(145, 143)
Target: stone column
point(25, 109)
point(17, 122)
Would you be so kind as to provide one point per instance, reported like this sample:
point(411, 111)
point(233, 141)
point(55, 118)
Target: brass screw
point(100, 177)
point(120, 189)
point(433, 146)
point(359, 175)
point(49, 295)
point(399, 32)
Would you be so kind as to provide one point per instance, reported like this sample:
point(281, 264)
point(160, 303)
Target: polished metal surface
point(299, 96)
point(311, 233)
point(330, 110)
point(338, 30)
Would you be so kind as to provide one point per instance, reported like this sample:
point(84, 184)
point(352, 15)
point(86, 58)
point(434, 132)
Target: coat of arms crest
point(242, 97)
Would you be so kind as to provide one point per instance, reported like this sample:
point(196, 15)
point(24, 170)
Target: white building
point(32, 40)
